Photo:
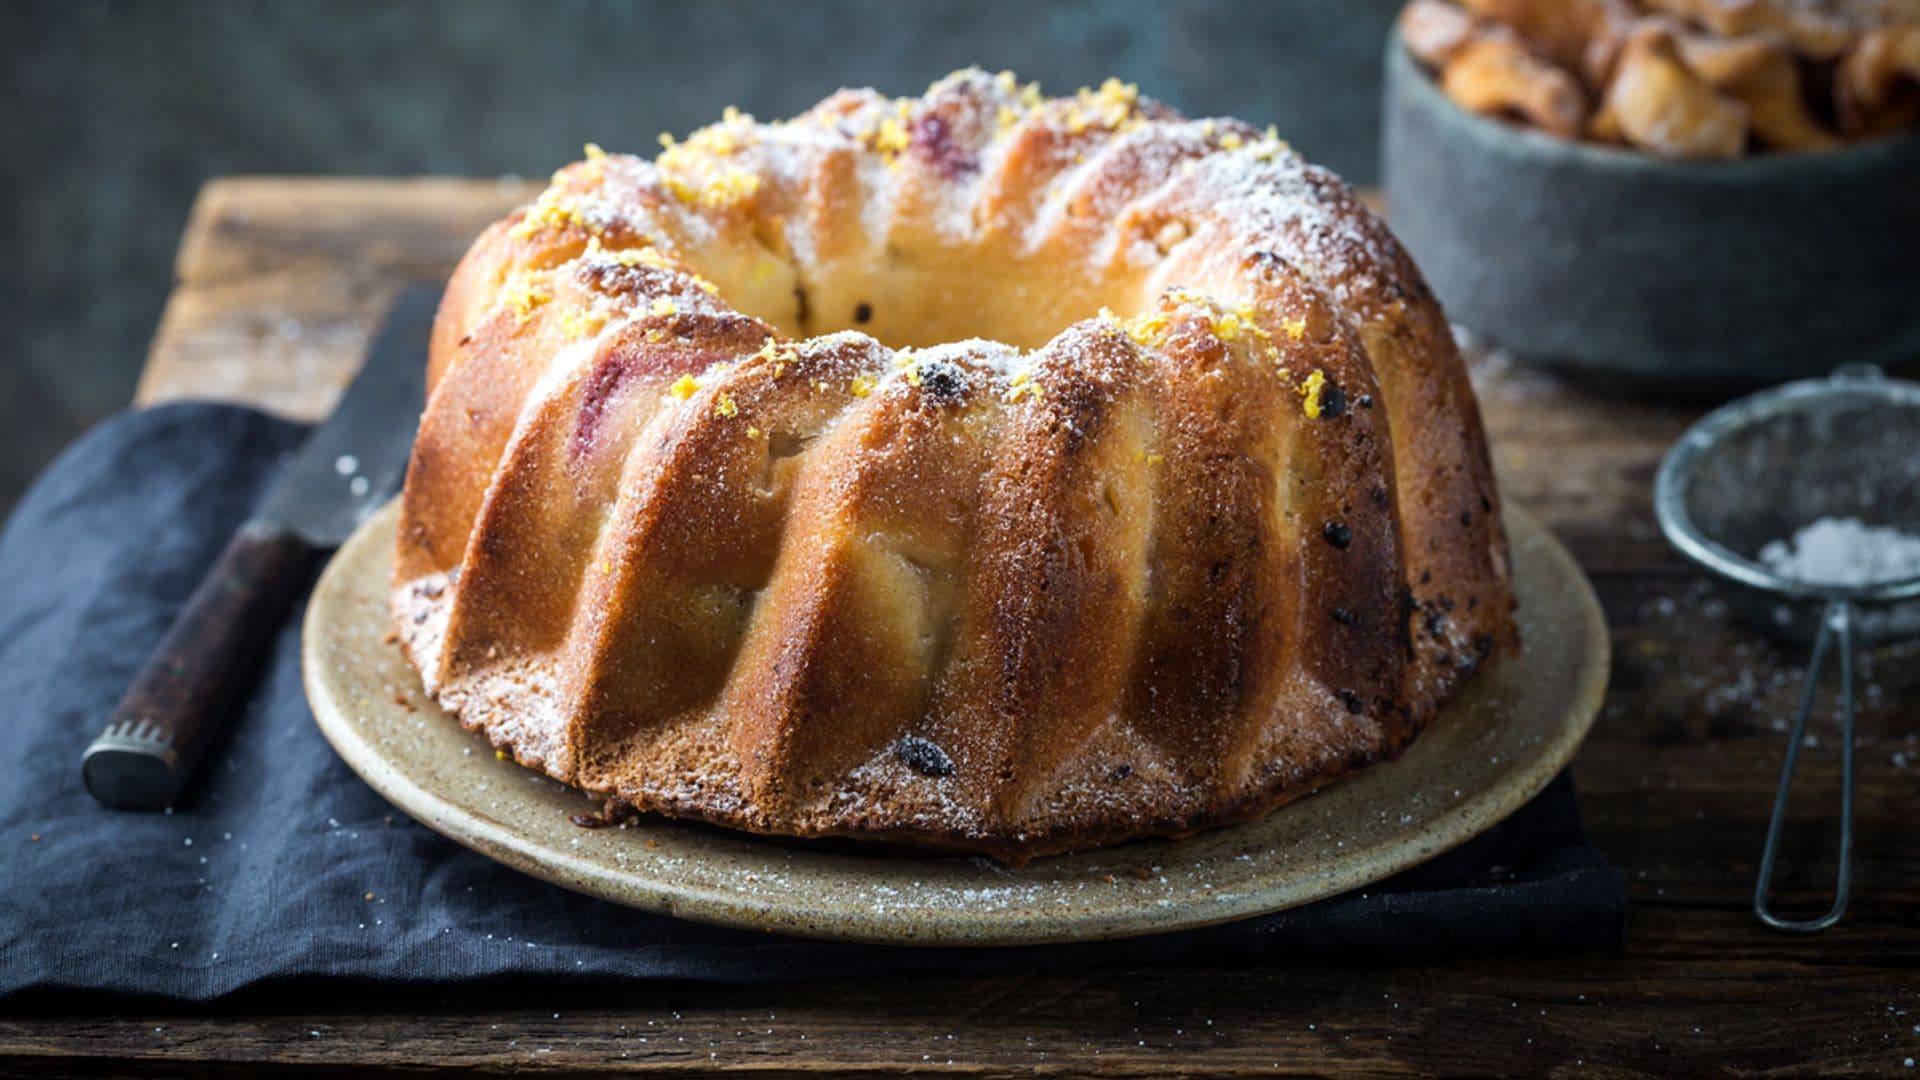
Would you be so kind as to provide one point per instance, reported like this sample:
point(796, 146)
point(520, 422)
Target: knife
point(346, 469)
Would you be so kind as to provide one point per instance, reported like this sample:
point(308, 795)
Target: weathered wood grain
point(279, 284)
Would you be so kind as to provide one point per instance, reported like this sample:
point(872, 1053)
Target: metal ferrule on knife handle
point(177, 701)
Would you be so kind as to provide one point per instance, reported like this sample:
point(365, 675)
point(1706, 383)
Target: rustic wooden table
point(280, 282)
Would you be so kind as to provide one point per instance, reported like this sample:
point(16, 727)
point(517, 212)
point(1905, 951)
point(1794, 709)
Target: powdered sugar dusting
point(1844, 551)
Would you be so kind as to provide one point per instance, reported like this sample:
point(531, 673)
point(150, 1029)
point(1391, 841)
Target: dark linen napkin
point(281, 865)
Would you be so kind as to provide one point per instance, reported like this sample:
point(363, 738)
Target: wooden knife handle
point(183, 691)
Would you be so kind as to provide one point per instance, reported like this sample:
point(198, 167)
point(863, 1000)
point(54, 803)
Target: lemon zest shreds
point(1149, 328)
point(1310, 392)
point(640, 256)
point(891, 137)
point(1295, 328)
point(726, 406)
point(593, 151)
point(1236, 321)
point(862, 385)
point(1022, 386)
point(753, 432)
point(527, 292)
point(554, 210)
point(694, 172)
point(1114, 107)
point(735, 186)
point(780, 355)
point(663, 306)
point(719, 190)
point(579, 324)
point(684, 387)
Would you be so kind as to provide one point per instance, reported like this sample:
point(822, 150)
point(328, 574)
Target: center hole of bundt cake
point(905, 297)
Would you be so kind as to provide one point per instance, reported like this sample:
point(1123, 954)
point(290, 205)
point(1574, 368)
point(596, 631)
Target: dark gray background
point(116, 112)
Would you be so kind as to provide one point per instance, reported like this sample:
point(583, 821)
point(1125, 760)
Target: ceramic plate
point(1516, 726)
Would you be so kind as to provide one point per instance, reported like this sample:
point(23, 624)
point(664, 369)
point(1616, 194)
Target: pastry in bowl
point(978, 471)
point(1682, 79)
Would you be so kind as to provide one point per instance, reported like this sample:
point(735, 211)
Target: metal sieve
point(1758, 470)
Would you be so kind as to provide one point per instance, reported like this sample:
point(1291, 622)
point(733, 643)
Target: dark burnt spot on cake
point(942, 381)
point(931, 140)
point(802, 309)
point(862, 313)
point(1351, 700)
point(1486, 505)
point(1365, 401)
point(1333, 402)
point(1345, 617)
point(923, 756)
point(1337, 534)
point(1379, 496)
point(1120, 773)
point(1466, 517)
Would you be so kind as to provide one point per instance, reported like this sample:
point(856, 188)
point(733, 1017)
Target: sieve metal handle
point(1835, 622)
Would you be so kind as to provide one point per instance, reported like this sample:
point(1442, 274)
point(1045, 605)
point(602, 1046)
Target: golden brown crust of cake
point(1155, 569)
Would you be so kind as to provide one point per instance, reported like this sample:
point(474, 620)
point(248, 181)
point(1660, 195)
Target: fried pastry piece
point(1581, 36)
point(1816, 31)
point(1759, 71)
point(1434, 30)
point(1495, 75)
point(1877, 86)
point(1659, 104)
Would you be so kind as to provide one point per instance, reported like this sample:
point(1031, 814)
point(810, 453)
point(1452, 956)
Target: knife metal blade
point(356, 460)
point(346, 469)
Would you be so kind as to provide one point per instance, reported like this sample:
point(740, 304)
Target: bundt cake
point(981, 471)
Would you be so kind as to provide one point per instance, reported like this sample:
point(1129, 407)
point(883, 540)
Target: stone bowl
point(1696, 275)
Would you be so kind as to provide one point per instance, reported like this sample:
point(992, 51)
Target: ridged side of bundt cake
point(679, 529)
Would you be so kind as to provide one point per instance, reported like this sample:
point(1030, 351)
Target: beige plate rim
point(1527, 714)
